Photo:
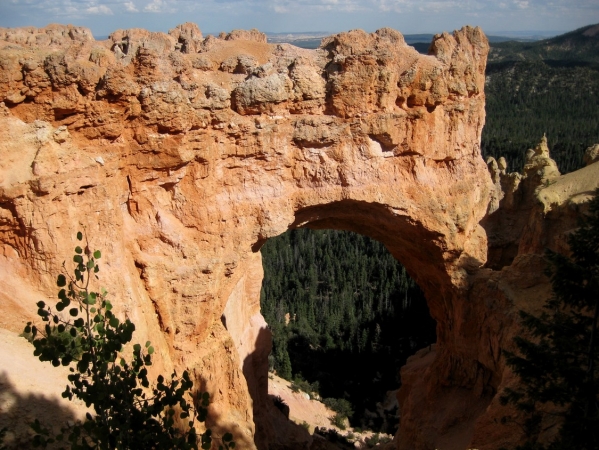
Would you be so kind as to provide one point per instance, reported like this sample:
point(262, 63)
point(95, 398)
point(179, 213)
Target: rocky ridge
point(180, 155)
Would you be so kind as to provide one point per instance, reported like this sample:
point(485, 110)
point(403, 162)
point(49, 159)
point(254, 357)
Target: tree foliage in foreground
point(558, 366)
point(129, 412)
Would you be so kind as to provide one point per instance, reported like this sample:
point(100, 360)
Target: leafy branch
point(129, 412)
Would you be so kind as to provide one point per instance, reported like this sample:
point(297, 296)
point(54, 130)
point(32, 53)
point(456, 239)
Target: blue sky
point(407, 16)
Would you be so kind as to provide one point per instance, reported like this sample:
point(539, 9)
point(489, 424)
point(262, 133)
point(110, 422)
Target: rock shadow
point(274, 430)
point(18, 410)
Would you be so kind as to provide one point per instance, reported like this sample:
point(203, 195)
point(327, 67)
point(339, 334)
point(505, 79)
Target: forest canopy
point(337, 300)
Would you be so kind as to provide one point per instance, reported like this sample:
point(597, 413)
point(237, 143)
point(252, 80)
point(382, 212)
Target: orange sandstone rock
point(180, 156)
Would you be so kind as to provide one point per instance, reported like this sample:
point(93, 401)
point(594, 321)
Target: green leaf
point(148, 343)
point(137, 348)
point(150, 350)
point(114, 322)
point(78, 259)
point(97, 254)
point(79, 235)
point(90, 264)
point(78, 250)
point(74, 312)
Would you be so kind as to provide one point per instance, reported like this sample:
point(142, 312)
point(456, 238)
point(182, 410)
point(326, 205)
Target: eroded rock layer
point(181, 155)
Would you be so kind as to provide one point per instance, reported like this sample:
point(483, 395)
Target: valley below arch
point(179, 161)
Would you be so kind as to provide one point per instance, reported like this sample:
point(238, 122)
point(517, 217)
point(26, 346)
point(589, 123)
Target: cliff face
point(180, 156)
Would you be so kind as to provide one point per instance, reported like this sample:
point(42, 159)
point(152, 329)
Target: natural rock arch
point(180, 155)
point(446, 289)
point(179, 166)
point(416, 248)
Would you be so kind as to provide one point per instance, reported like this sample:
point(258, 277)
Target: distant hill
point(549, 86)
point(579, 47)
point(422, 42)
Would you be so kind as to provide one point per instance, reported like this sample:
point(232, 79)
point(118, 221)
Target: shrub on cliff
point(558, 367)
point(343, 410)
point(83, 333)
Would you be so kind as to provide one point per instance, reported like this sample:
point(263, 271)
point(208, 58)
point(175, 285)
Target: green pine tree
point(558, 366)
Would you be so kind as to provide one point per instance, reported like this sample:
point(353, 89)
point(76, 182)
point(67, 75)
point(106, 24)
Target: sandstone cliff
point(181, 155)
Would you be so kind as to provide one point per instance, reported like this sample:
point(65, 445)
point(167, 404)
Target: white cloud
point(100, 9)
point(281, 9)
point(130, 6)
point(285, 15)
point(158, 6)
point(521, 4)
point(438, 6)
point(392, 5)
point(236, 7)
point(430, 6)
point(292, 6)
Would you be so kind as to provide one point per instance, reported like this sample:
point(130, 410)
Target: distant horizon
point(522, 34)
point(515, 33)
point(502, 17)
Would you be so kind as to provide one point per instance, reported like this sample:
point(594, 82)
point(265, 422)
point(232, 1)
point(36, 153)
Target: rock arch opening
point(391, 233)
point(439, 269)
point(344, 315)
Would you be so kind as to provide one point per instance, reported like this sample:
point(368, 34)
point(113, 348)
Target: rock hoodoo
point(181, 155)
